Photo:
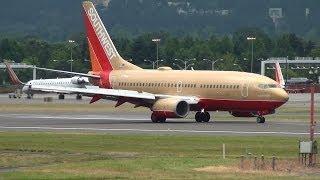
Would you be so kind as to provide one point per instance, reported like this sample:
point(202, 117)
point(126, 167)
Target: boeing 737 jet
point(172, 93)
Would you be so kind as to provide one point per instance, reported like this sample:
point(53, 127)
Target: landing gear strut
point(202, 116)
point(261, 119)
point(158, 119)
point(79, 97)
point(61, 96)
point(29, 96)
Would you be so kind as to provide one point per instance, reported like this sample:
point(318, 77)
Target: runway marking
point(115, 118)
point(159, 130)
point(75, 118)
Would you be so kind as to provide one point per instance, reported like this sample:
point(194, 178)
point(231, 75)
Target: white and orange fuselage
point(217, 90)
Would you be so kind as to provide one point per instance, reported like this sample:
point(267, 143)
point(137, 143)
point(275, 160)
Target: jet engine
point(170, 108)
point(79, 80)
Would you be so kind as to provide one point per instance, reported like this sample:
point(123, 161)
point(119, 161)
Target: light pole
point(235, 64)
point(154, 63)
point(185, 62)
point(71, 60)
point(177, 66)
point(157, 41)
point(212, 62)
point(251, 39)
point(192, 64)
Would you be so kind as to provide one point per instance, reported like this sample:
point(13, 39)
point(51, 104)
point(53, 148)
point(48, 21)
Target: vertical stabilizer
point(12, 75)
point(279, 76)
point(103, 54)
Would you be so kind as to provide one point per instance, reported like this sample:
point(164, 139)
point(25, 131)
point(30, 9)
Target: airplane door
point(113, 80)
point(245, 90)
point(179, 86)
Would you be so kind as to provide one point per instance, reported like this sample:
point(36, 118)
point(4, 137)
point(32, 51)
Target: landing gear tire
point(261, 120)
point(79, 97)
point(29, 96)
point(198, 117)
point(206, 117)
point(158, 119)
point(61, 96)
point(202, 116)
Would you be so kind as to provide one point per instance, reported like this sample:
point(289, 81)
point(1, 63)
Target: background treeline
point(55, 20)
point(235, 49)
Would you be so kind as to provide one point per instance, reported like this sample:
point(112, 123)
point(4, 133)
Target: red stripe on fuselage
point(236, 105)
point(96, 45)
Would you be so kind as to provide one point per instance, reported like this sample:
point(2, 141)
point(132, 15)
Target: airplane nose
point(24, 89)
point(282, 95)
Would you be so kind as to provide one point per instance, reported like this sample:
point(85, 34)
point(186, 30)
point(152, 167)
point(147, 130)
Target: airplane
point(75, 81)
point(172, 93)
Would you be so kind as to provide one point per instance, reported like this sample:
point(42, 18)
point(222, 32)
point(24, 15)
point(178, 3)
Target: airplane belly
point(236, 105)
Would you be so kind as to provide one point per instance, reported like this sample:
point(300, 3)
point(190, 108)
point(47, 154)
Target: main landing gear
point(158, 119)
point(202, 116)
point(61, 96)
point(261, 119)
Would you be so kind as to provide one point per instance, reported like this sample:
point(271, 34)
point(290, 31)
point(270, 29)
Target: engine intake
point(171, 108)
point(79, 80)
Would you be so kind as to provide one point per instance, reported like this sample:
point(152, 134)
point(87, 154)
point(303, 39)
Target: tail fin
point(279, 76)
point(12, 75)
point(103, 54)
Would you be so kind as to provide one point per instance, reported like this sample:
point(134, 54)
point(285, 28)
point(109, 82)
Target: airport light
point(154, 63)
point(212, 62)
point(157, 41)
point(71, 60)
point(251, 39)
point(192, 64)
point(235, 64)
point(185, 62)
point(174, 64)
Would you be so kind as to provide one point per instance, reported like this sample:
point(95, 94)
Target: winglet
point(279, 76)
point(12, 75)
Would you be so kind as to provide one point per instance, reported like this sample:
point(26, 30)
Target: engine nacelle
point(171, 108)
point(79, 80)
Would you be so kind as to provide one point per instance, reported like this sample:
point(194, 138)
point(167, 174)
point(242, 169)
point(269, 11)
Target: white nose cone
point(25, 88)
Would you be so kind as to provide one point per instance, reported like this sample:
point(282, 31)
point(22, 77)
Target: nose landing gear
point(261, 119)
point(202, 116)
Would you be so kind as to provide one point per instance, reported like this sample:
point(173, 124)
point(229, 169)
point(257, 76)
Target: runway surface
point(142, 124)
point(139, 122)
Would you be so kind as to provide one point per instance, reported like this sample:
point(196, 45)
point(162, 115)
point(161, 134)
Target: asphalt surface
point(140, 123)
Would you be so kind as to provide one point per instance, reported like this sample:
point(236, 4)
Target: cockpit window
point(266, 86)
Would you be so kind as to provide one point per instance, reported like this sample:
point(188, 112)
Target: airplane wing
point(93, 91)
point(71, 73)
